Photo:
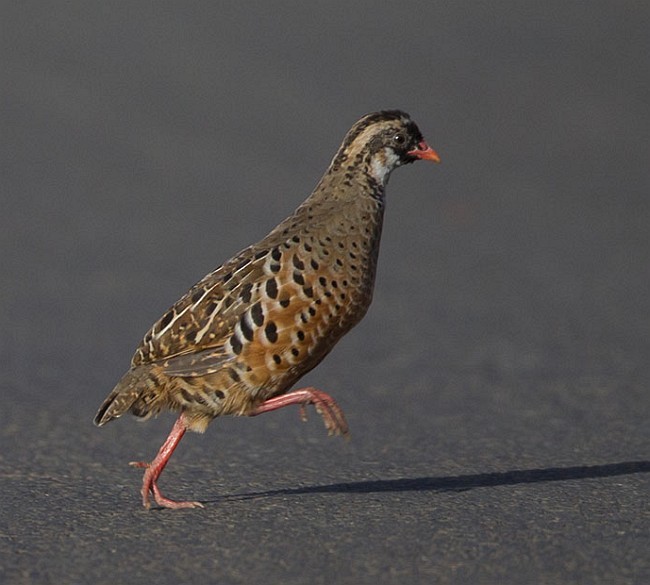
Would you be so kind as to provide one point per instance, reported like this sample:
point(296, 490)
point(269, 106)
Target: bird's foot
point(150, 487)
point(325, 405)
point(330, 411)
point(164, 502)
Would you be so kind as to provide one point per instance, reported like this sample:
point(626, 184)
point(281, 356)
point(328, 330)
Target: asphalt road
point(497, 391)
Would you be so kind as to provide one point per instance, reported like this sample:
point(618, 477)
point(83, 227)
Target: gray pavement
point(497, 391)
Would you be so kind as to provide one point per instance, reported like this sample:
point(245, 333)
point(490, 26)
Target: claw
point(140, 464)
point(325, 405)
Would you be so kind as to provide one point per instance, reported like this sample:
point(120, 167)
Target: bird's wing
point(196, 364)
point(199, 323)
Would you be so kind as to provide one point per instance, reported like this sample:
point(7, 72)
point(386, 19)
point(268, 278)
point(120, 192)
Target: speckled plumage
point(249, 330)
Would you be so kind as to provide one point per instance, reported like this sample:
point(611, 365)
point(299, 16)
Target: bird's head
point(380, 142)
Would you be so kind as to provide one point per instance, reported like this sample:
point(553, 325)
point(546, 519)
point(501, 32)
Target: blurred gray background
point(497, 391)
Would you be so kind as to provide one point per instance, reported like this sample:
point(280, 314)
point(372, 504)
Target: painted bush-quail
point(238, 340)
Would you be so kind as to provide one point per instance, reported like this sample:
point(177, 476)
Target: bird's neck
point(355, 176)
point(348, 199)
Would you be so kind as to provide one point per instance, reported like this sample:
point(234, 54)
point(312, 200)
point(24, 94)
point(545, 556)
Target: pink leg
point(155, 468)
point(326, 406)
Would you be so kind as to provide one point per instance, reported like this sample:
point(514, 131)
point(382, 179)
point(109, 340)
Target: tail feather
point(124, 395)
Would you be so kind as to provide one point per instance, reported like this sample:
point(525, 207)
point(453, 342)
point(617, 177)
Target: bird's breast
point(315, 288)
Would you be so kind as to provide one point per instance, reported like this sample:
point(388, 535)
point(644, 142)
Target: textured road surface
point(498, 390)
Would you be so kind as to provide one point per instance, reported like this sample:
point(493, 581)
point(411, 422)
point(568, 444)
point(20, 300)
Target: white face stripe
point(381, 166)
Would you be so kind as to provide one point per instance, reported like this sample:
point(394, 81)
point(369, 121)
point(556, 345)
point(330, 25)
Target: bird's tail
point(124, 395)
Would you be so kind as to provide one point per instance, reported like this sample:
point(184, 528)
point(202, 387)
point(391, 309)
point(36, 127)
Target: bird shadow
point(456, 483)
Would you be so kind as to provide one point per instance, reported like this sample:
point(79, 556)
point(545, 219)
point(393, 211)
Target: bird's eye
point(399, 138)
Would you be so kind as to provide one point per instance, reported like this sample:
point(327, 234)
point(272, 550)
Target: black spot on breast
point(295, 351)
point(296, 239)
point(234, 375)
point(219, 394)
point(312, 311)
point(301, 335)
point(309, 291)
point(257, 314)
point(322, 280)
point(284, 303)
point(307, 247)
point(276, 358)
point(167, 319)
point(272, 288)
point(335, 284)
point(298, 278)
point(271, 332)
point(298, 263)
point(314, 264)
point(276, 254)
point(275, 268)
point(246, 330)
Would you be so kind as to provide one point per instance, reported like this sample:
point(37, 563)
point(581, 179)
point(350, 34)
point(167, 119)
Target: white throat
point(381, 166)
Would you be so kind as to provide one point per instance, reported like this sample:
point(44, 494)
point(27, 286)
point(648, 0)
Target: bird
point(241, 337)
